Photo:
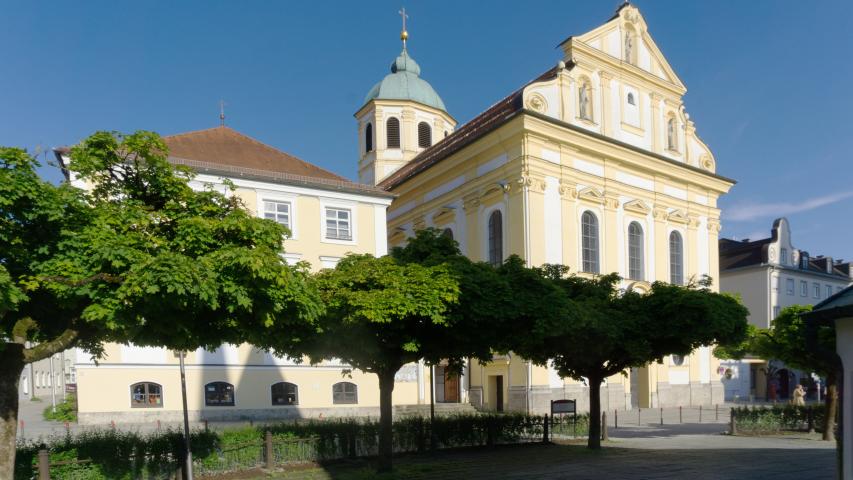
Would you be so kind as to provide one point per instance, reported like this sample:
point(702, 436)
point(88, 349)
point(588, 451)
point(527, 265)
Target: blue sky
point(769, 82)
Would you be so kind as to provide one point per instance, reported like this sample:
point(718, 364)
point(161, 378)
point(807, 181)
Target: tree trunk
point(831, 406)
point(386, 432)
point(11, 365)
point(594, 441)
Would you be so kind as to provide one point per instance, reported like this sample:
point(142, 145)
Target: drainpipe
point(529, 383)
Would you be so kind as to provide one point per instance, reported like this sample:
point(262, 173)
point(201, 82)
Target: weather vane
point(404, 35)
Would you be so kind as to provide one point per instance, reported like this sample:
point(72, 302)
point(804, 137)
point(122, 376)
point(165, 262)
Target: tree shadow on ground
point(551, 461)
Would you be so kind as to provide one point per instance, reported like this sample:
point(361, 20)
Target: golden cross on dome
point(404, 35)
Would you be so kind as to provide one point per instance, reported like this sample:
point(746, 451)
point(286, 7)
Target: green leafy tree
point(378, 313)
point(140, 257)
point(788, 341)
point(610, 331)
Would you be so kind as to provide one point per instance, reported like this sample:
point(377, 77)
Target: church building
point(594, 164)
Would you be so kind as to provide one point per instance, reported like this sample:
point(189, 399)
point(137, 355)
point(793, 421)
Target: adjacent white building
point(771, 274)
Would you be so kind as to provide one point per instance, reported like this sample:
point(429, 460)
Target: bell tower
point(402, 116)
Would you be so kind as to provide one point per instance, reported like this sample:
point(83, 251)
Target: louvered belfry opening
point(392, 127)
point(424, 135)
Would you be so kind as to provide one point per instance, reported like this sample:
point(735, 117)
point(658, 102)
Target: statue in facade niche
point(629, 46)
point(584, 102)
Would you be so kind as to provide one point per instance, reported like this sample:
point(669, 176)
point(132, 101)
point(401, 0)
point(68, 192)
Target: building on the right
point(770, 274)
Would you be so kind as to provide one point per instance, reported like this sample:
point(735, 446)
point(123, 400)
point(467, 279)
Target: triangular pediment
point(610, 38)
point(637, 206)
point(678, 216)
point(591, 194)
point(444, 215)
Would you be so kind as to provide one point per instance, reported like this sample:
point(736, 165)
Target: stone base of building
point(692, 394)
point(151, 416)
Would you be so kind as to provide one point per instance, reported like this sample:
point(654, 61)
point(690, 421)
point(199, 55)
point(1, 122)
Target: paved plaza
point(671, 452)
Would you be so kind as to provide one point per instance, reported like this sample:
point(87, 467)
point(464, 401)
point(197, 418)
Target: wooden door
point(499, 393)
point(451, 387)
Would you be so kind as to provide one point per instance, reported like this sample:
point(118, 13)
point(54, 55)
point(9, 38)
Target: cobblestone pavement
point(677, 452)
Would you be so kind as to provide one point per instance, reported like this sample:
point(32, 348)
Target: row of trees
point(806, 346)
point(141, 257)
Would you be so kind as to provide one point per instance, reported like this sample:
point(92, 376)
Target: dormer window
point(804, 261)
point(783, 256)
point(392, 131)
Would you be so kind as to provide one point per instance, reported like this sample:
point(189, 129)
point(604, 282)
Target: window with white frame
point(828, 291)
point(589, 242)
point(338, 223)
point(636, 267)
point(816, 290)
point(676, 258)
point(789, 286)
point(783, 256)
point(278, 211)
point(804, 288)
point(776, 311)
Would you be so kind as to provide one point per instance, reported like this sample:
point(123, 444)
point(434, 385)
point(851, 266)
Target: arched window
point(631, 100)
point(146, 395)
point(344, 393)
point(448, 233)
point(424, 135)
point(496, 239)
point(589, 242)
point(676, 259)
point(671, 135)
point(678, 360)
point(284, 393)
point(392, 130)
point(368, 137)
point(585, 100)
point(219, 394)
point(635, 252)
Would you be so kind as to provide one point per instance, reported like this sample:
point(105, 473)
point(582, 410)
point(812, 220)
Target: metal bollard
point(680, 419)
point(733, 423)
point(717, 412)
point(206, 425)
point(700, 413)
point(615, 418)
point(661, 415)
point(639, 415)
point(269, 453)
point(44, 465)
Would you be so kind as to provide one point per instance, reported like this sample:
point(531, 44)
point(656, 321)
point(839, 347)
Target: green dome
point(404, 83)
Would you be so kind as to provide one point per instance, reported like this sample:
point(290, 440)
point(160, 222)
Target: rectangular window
point(776, 311)
point(783, 256)
point(277, 211)
point(338, 224)
point(789, 286)
point(816, 290)
point(828, 291)
point(804, 288)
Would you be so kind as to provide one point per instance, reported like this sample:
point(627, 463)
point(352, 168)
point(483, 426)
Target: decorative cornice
point(660, 213)
point(714, 225)
point(444, 215)
point(471, 201)
point(611, 202)
point(692, 220)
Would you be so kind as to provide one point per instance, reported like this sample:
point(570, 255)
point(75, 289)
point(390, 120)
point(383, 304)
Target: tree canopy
point(608, 331)
point(138, 256)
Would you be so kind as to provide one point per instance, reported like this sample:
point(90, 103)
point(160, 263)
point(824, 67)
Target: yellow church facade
point(595, 164)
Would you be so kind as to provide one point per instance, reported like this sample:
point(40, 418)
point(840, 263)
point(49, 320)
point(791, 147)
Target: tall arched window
point(392, 130)
point(671, 135)
point(676, 259)
point(368, 138)
point(424, 135)
point(585, 100)
point(284, 393)
point(635, 252)
point(496, 239)
point(589, 242)
point(146, 395)
point(344, 393)
point(219, 394)
point(448, 233)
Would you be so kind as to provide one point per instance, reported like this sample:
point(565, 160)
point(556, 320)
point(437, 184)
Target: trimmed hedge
point(131, 455)
point(777, 419)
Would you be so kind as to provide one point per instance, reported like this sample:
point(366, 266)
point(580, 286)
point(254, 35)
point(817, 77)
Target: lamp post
point(189, 460)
